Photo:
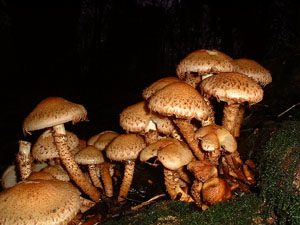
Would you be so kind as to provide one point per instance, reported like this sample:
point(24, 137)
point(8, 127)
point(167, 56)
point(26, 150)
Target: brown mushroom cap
point(105, 138)
point(53, 111)
point(175, 155)
point(182, 101)
point(215, 190)
point(157, 85)
point(44, 148)
point(39, 202)
point(89, 156)
point(135, 118)
point(253, 70)
point(232, 88)
point(58, 172)
point(205, 61)
point(125, 147)
point(226, 140)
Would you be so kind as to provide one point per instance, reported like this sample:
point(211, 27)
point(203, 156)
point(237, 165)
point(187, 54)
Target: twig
point(288, 109)
point(147, 202)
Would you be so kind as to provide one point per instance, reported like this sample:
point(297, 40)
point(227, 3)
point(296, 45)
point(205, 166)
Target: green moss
point(277, 158)
point(247, 209)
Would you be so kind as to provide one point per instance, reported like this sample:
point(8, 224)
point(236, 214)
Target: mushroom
point(54, 112)
point(45, 149)
point(157, 85)
point(91, 157)
point(103, 140)
point(203, 63)
point(58, 172)
point(234, 89)
point(173, 155)
point(9, 177)
point(215, 190)
point(202, 170)
point(183, 103)
point(24, 159)
point(39, 202)
point(125, 147)
point(257, 72)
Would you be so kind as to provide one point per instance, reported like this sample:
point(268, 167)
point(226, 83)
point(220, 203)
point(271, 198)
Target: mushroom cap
point(203, 170)
point(215, 190)
point(157, 85)
point(53, 111)
point(226, 140)
point(135, 118)
point(205, 61)
point(58, 172)
point(125, 147)
point(39, 202)
point(105, 138)
point(45, 148)
point(9, 177)
point(175, 155)
point(89, 155)
point(182, 101)
point(163, 124)
point(151, 150)
point(253, 70)
point(232, 88)
point(40, 175)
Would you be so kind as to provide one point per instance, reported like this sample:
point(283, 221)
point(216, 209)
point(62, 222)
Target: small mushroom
point(91, 157)
point(58, 172)
point(203, 63)
point(39, 202)
point(182, 103)
point(54, 112)
point(215, 190)
point(9, 177)
point(125, 148)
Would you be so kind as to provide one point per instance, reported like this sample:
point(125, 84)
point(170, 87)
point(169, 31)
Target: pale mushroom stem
point(60, 138)
point(127, 180)
point(239, 121)
point(94, 177)
point(24, 159)
point(106, 178)
point(230, 115)
point(187, 130)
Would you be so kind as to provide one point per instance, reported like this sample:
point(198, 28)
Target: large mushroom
point(125, 148)
point(54, 112)
point(234, 89)
point(182, 103)
point(39, 202)
point(203, 63)
point(255, 71)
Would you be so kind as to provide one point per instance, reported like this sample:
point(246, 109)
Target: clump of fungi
point(173, 124)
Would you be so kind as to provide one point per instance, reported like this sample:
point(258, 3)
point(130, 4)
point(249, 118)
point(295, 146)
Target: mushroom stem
point(230, 115)
point(173, 188)
point(196, 192)
point(127, 180)
point(60, 138)
point(187, 130)
point(106, 178)
point(151, 136)
point(94, 177)
point(24, 159)
point(239, 121)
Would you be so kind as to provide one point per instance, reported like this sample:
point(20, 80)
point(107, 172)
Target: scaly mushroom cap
point(53, 111)
point(163, 124)
point(39, 202)
point(203, 169)
point(135, 118)
point(205, 62)
point(157, 85)
point(253, 70)
point(44, 148)
point(215, 190)
point(232, 88)
point(125, 147)
point(175, 155)
point(182, 101)
point(89, 156)
point(58, 172)
point(105, 138)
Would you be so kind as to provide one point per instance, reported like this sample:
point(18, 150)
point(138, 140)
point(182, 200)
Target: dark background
point(103, 53)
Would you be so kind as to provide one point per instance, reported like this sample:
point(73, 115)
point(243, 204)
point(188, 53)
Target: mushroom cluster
point(173, 126)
